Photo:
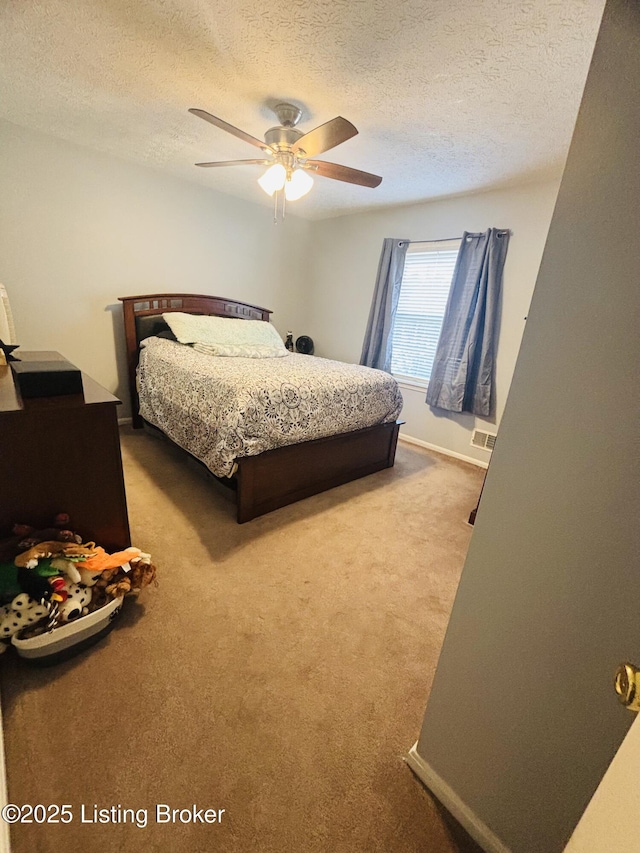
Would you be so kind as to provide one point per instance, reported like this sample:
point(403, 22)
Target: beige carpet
point(280, 671)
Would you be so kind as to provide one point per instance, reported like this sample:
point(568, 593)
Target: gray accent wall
point(522, 720)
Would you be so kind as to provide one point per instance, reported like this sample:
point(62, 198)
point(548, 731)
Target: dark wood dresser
point(62, 454)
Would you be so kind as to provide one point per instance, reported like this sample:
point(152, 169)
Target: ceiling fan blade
point(343, 173)
point(324, 137)
point(237, 163)
point(223, 125)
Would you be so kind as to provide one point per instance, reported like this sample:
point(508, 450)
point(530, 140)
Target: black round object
point(304, 344)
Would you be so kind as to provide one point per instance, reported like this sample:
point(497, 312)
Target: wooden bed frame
point(277, 477)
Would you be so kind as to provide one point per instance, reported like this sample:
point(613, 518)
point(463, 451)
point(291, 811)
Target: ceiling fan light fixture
point(273, 179)
point(298, 185)
point(291, 149)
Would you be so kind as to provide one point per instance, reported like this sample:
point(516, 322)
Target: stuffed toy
point(76, 603)
point(28, 561)
point(9, 584)
point(14, 580)
point(22, 612)
point(91, 569)
point(53, 548)
point(46, 580)
point(124, 580)
point(25, 611)
point(50, 578)
point(62, 566)
point(24, 536)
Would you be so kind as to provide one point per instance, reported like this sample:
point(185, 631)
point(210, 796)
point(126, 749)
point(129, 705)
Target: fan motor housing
point(282, 137)
point(288, 114)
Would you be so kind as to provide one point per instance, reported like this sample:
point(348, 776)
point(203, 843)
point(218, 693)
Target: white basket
point(68, 639)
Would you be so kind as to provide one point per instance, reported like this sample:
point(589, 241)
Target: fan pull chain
point(283, 206)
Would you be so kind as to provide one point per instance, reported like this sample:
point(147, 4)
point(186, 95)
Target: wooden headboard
point(141, 311)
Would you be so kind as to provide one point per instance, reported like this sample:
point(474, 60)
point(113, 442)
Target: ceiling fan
point(288, 152)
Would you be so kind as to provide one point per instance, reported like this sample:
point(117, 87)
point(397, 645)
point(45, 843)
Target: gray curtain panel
point(376, 350)
point(462, 379)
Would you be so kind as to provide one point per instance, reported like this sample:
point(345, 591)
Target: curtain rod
point(444, 240)
point(500, 233)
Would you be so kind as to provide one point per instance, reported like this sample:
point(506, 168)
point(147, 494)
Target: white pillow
point(222, 331)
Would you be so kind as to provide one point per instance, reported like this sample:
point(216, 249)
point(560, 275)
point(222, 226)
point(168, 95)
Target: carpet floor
point(279, 671)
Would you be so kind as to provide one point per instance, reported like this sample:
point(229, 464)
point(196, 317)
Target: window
point(426, 282)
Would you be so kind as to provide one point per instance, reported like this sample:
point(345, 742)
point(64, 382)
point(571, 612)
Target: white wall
point(78, 229)
point(343, 264)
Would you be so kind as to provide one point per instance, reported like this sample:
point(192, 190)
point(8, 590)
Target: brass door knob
point(627, 684)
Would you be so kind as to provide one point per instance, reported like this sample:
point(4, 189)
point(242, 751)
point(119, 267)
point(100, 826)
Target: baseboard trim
point(478, 830)
point(124, 421)
point(420, 443)
point(5, 840)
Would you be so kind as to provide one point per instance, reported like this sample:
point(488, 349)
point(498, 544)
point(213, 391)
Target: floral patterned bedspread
point(222, 408)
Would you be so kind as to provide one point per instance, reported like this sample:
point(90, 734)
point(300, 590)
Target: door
point(521, 723)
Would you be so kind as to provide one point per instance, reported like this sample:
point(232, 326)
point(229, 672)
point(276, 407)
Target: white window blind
point(426, 282)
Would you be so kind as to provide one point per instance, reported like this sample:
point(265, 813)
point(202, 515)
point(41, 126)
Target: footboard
point(279, 477)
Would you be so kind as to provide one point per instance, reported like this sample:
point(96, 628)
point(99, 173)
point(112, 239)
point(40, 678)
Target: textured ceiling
point(449, 96)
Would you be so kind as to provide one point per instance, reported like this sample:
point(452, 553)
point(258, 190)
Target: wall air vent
point(483, 440)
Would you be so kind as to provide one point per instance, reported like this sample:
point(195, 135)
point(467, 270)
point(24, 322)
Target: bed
point(172, 384)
